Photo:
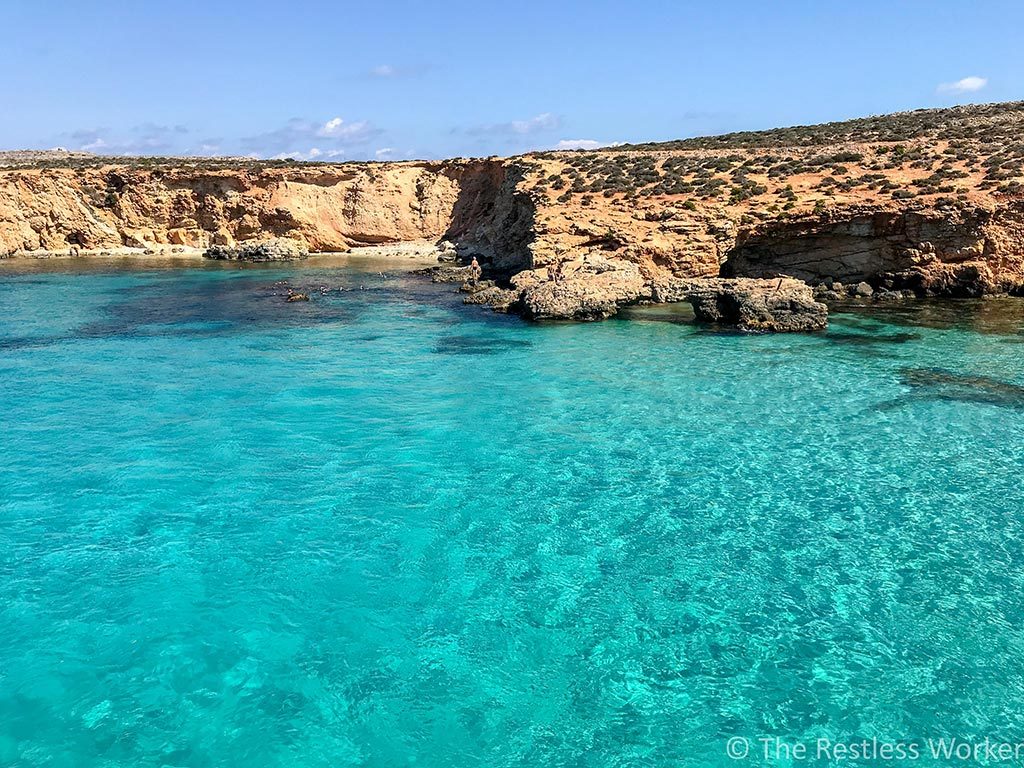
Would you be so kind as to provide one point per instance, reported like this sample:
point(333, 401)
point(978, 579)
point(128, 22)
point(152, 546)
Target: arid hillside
point(848, 200)
point(930, 201)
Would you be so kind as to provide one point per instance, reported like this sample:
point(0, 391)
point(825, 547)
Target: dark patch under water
point(233, 303)
point(996, 315)
point(209, 308)
point(867, 339)
point(472, 345)
point(941, 384)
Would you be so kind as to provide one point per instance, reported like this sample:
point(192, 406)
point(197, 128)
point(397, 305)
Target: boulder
point(750, 304)
point(222, 237)
point(497, 298)
point(864, 290)
point(529, 278)
point(447, 253)
point(968, 280)
point(276, 249)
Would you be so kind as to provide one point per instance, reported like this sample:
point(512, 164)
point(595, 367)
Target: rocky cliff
point(930, 202)
point(327, 207)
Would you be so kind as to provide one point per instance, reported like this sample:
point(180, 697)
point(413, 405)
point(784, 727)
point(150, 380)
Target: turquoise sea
point(384, 529)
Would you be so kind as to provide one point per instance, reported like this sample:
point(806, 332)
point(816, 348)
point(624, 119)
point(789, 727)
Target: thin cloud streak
point(965, 85)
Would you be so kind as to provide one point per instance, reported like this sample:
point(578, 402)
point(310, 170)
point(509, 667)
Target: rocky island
point(751, 228)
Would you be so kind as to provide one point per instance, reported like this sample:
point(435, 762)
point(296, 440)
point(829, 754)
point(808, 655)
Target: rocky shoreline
point(928, 203)
point(590, 287)
point(596, 289)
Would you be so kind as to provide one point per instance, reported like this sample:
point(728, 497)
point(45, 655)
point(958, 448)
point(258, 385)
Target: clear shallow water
point(384, 529)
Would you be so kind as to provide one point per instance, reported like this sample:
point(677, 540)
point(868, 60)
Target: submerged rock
point(942, 384)
point(296, 296)
point(276, 249)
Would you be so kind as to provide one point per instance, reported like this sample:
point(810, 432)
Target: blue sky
point(395, 79)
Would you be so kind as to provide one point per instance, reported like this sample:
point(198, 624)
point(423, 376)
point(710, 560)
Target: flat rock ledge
point(447, 273)
point(276, 249)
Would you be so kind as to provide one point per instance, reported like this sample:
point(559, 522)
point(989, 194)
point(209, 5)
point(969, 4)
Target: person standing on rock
point(474, 271)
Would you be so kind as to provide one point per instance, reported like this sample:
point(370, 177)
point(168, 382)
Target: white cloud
point(966, 85)
point(336, 128)
point(586, 144)
point(331, 126)
point(537, 124)
point(384, 153)
point(384, 70)
point(542, 122)
point(313, 153)
point(296, 137)
point(144, 139)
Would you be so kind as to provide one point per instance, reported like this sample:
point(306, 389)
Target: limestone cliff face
point(494, 215)
point(952, 250)
point(326, 207)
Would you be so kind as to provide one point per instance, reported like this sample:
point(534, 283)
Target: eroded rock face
point(781, 305)
point(955, 251)
point(276, 249)
point(596, 288)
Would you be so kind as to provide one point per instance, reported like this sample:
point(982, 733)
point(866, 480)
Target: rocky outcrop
point(783, 305)
point(595, 288)
point(447, 273)
point(589, 288)
point(489, 294)
point(276, 249)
